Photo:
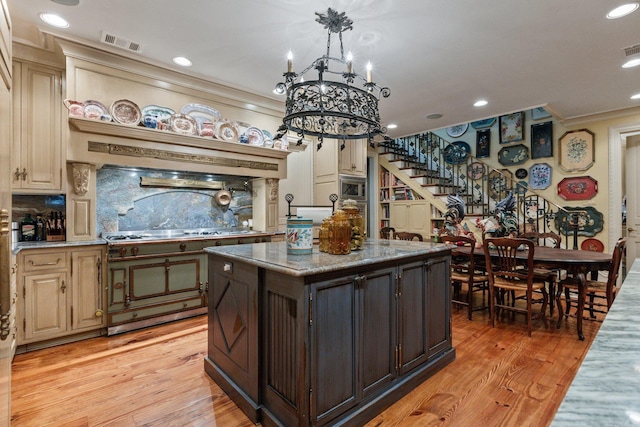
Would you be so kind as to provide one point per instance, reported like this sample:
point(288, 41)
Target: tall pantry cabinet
point(37, 131)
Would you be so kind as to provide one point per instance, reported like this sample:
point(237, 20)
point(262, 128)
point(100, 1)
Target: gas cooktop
point(174, 234)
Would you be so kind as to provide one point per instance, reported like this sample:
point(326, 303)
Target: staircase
point(433, 168)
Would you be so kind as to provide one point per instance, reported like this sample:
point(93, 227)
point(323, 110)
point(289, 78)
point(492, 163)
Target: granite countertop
point(17, 247)
point(606, 389)
point(273, 256)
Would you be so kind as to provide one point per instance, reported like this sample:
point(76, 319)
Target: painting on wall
point(542, 140)
point(511, 128)
point(483, 143)
point(576, 150)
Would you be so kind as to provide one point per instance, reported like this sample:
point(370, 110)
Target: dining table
point(577, 263)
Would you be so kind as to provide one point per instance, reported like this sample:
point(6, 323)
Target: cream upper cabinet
point(37, 131)
point(61, 292)
point(353, 159)
point(410, 215)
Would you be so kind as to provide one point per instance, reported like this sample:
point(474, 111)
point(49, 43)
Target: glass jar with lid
point(357, 224)
point(339, 233)
point(323, 235)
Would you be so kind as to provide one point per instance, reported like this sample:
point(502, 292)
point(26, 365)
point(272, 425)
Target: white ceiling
point(436, 56)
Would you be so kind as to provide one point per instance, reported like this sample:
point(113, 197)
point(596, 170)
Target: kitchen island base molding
point(315, 340)
point(259, 414)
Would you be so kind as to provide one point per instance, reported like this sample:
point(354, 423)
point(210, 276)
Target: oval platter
point(126, 112)
point(154, 115)
point(457, 130)
point(201, 113)
point(591, 244)
point(456, 152)
point(186, 125)
point(96, 110)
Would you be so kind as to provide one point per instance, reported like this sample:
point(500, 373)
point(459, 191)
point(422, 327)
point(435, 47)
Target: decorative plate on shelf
point(475, 170)
point(590, 220)
point(513, 155)
point(457, 130)
point(76, 108)
point(539, 176)
point(126, 112)
point(592, 244)
point(201, 113)
point(457, 152)
point(181, 123)
point(479, 124)
point(96, 110)
point(578, 188)
point(254, 136)
point(227, 131)
point(156, 117)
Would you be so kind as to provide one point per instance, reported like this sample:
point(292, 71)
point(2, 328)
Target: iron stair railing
point(449, 169)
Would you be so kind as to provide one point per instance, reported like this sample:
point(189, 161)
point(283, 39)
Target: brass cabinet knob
point(99, 313)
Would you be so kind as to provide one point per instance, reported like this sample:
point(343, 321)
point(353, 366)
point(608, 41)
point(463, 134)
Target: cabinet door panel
point(333, 348)
point(399, 216)
point(439, 315)
point(87, 289)
point(45, 305)
point(378, 327)
point(413, 316)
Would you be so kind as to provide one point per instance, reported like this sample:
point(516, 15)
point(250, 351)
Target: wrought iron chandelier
point(328, 108)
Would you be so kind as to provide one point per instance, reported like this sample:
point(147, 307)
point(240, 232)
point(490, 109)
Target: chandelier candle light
point(328, 108)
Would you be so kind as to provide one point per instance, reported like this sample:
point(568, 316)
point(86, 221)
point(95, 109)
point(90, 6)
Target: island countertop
point(606, 389)
point(273, 256)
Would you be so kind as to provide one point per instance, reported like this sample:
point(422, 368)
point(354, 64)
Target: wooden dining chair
point(464, 271)
point(601, 294)
point(549, 276)
point(387, 233)
point(506, 274)
point(405, 235)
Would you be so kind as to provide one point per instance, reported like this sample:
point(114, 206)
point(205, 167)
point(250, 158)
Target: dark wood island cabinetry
point(323, 339)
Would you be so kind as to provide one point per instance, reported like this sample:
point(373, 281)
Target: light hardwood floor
point(155, 377)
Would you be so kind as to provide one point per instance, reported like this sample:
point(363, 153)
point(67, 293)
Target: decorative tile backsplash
point(123, 204)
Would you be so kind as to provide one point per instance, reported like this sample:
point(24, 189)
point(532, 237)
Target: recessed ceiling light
point(54, 20)
point(182, 61)
point(631, 63)
point(392, 126)
point(636, 96)
point(480, 103)
point(434, 116)
point(623, 10)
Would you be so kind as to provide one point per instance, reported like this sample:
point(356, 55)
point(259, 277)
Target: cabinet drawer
point(45, 261)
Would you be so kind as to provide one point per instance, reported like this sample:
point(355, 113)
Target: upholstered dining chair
point(506, 274)
point(405, 235)
point(464, 271)
point(549, 276)
point(387, 233)
point(601, 294)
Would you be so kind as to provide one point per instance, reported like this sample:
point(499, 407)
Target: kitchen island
point(323, 339)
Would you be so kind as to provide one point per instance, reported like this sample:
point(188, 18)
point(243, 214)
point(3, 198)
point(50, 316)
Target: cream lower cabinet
point(410, 215)
point(62, 292)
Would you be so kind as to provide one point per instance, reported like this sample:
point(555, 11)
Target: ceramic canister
point(299, 236)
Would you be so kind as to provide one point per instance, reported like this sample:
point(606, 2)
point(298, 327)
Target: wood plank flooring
point(155, 377)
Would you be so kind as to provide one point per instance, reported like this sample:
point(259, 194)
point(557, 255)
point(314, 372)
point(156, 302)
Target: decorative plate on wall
point(521, 173)
point(457, 152)
point(512, 127)
point(479, 124)
point(475, 170)
point(590, 220)
point(578, 188)
point(539, 176)
point(592, 244)
point(534, 207)
point(577, 150)
point(513, 155)
point(457, 130)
